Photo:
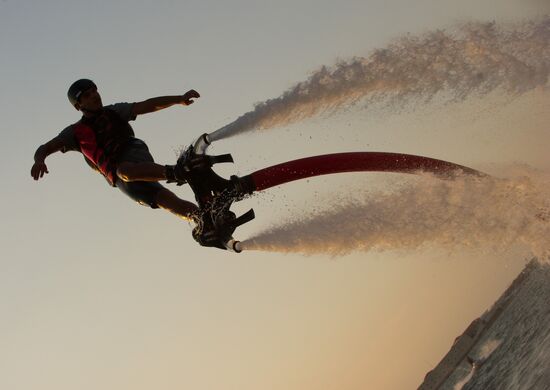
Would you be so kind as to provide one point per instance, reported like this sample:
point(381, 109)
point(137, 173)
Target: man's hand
point(191, 94)
point(38, 170)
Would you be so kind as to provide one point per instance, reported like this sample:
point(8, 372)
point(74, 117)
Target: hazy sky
point(97, 292)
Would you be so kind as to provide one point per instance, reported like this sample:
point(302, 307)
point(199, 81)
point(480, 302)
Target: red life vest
point(102, 139)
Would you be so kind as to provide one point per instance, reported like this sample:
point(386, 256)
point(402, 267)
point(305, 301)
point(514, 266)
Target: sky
point(98, 292)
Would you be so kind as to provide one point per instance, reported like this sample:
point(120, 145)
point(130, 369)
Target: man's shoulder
point(68, 129)
point(71, 128)
point(115, 106)
point(67, 138)
point(124, 110)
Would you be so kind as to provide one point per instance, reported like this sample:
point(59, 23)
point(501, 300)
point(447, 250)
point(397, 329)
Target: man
point(106, 139)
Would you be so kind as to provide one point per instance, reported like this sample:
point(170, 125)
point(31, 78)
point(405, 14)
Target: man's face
point(90, 100)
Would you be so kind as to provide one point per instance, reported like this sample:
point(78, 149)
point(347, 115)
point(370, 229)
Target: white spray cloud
point(467, 212)
point(476, 58)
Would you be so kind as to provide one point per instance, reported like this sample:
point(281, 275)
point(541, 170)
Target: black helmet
point(76, 89)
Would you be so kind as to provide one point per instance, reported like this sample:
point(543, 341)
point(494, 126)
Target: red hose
point(351, 162)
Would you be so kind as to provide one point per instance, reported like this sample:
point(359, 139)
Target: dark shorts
point(143, 192)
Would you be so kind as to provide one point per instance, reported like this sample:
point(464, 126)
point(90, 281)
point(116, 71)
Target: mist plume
point(474, 58)
point(467, 212)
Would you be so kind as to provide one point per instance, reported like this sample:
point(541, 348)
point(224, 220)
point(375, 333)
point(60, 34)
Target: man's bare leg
point(143, 171)
point(167, 200)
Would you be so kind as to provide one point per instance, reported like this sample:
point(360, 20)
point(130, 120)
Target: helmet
point(76, 89)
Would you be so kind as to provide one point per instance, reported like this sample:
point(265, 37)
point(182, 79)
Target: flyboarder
point(108, 144)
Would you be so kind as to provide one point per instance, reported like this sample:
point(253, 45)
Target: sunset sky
point(97, 292)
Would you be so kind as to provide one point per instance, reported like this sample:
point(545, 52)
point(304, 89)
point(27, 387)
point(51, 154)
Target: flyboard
point(214, 194)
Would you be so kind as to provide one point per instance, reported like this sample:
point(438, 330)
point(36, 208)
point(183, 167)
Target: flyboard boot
point(214, 195)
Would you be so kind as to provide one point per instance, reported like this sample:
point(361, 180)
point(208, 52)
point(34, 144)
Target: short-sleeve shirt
point(70, 142)
point(68, 139)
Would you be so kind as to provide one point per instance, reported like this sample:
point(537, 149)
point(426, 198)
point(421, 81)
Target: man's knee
point(124, 171)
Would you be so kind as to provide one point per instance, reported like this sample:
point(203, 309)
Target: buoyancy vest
point(102, 139)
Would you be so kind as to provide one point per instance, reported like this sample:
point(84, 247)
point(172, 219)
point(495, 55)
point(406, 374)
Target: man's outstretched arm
point(39, 168)
point(162, 102)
